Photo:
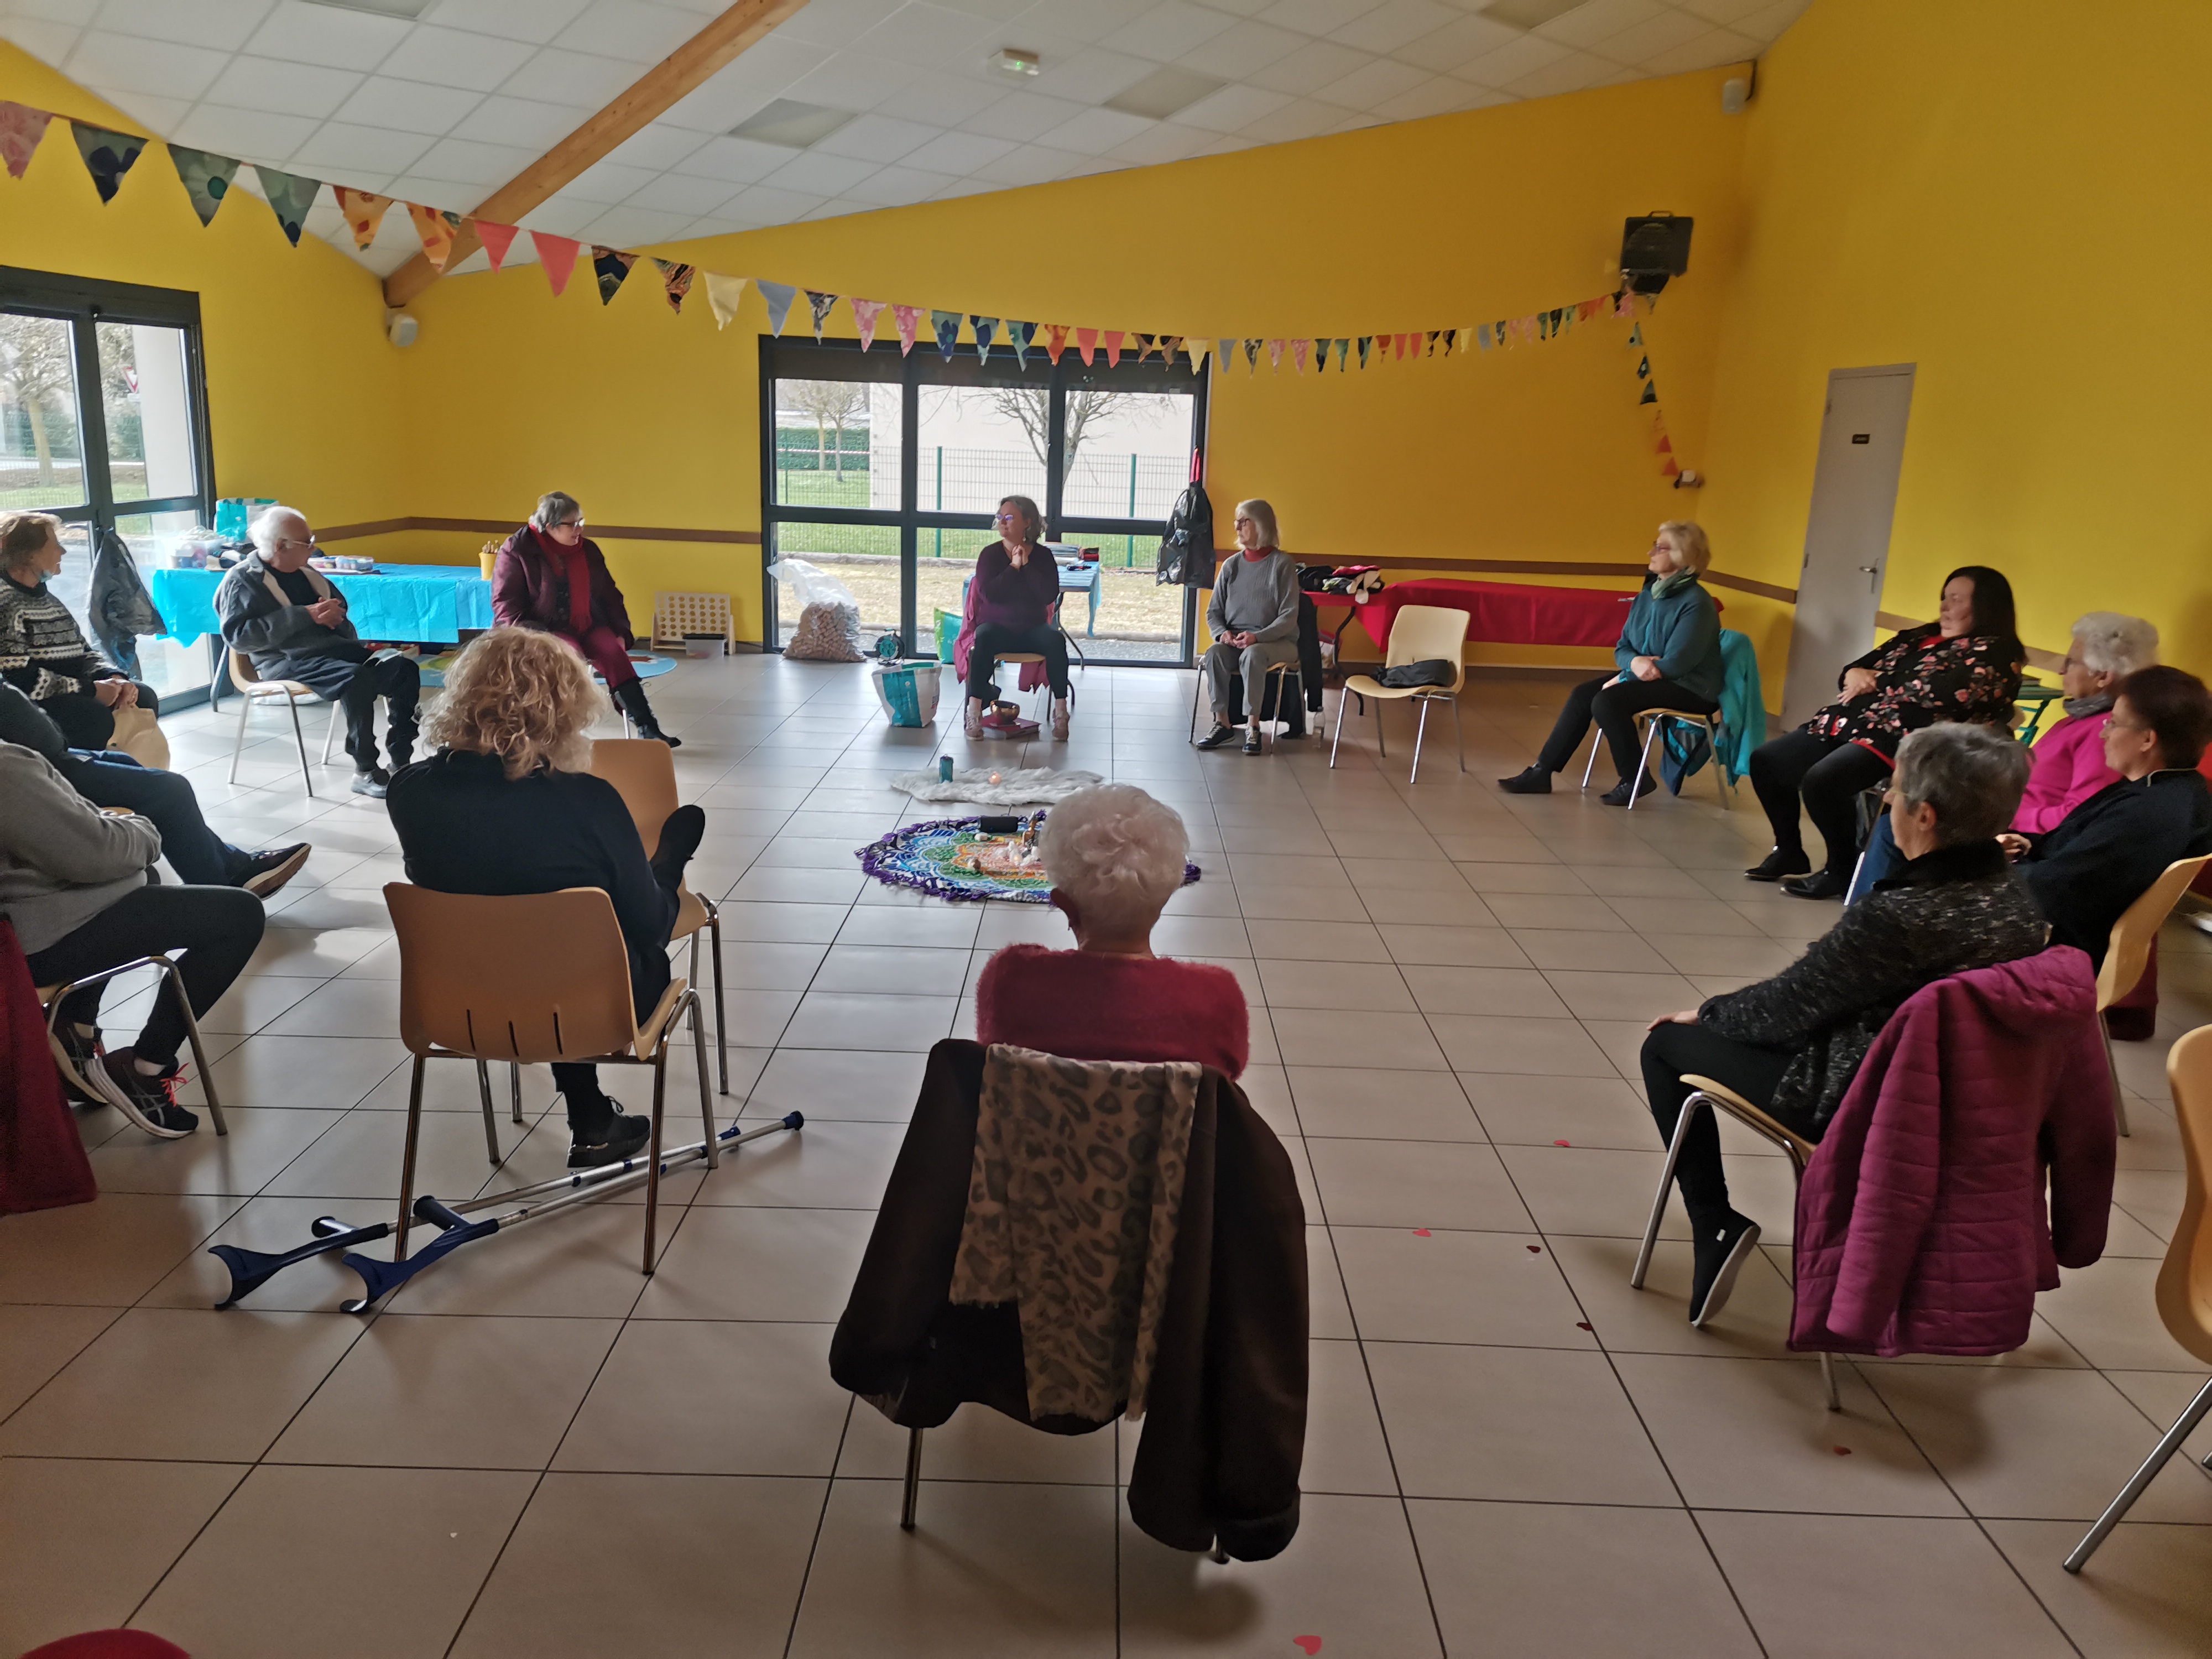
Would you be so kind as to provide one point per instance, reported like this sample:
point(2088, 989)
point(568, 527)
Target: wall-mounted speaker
point(1654, 248)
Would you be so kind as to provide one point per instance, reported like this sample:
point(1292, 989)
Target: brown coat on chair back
point(530, 585)
point(1225, 1421)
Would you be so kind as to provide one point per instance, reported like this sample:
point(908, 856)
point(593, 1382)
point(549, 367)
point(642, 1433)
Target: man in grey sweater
point(73, 881)
point(1253, 619)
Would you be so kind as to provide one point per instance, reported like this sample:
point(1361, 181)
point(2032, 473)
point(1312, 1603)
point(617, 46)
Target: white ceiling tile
point(1092, 76)
point(877, 138)
point(1032, 164)
point(1240, 8)
point(1315, 65)
point(655, 146)
point(1767, 23)
point(49, 42)
point(160, 67)
point(941, 100)
point(1442, 96)
point(1079, 21)
point(464, 161)
point(740, 161)
point(252, 135)
point(1232, 108)
point(1707, 50)
point(898, 186)
point(810, 174)
point(634, 31)
point(1363, 88)
point(1575, 72)
point(855, 81)
point(1238, 50)
point(570, 77)
point(1314, 16)
point(927, 35)
point(1022, 115)
point(1722, 12)
point(833, 210)
point(840, 22)
point(1595, 20)
point(712, 225)
point(562, 215)
point(79, 12)
point(673, 193)
point(1097, 130)
point(1458, 43)
point(1163, 142)
point(262, 84)
point(151, 110)
point(449, 58)
point(224, 25)
point(1168, 31)
point(1090, 165)
point(1395, 24)
point(415, 185)
point(345, 150)
point(533, 21)
point(1306, 117)
point(765, 205)
point(327, 35)
point(957, 153)
point(517, 121)
point(407, 106)
point(1509, 63)
point(1652, 36)
point(607, 183)
point(969, 187)
point(734, 93)
point(996, 11)
point(634, 227)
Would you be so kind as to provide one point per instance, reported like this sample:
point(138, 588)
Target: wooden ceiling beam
point(681, 73)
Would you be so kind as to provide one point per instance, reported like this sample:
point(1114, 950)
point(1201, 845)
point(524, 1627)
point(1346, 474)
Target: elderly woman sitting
point(1253, 619)
point(1115, 857)
point(43, 653)
point(1790, 1044)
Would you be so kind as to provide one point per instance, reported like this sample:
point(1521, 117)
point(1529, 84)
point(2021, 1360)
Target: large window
point(103, 422)
point(885, 471)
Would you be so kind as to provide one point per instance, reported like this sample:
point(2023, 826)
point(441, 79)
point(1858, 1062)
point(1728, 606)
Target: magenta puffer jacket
point(1921, 1222)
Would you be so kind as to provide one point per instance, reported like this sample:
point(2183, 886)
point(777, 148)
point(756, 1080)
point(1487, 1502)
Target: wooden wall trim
point(613, 532)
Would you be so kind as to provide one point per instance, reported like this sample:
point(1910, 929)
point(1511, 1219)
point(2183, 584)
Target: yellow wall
point(304, 392)
point(2015, 203)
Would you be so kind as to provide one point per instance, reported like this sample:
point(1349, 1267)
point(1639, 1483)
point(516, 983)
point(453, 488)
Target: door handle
point(1867, 569)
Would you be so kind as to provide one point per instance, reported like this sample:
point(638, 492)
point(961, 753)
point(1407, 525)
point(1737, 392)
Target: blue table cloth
point(426, 603)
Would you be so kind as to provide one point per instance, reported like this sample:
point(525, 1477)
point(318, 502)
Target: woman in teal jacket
point(1669, 656)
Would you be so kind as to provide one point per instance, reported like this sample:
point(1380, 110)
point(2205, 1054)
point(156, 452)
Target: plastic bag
point(908, 694)
point(829, 615)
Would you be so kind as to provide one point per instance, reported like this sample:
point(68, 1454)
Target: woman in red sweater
point(1115, 856)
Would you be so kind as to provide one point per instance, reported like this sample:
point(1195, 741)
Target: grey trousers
point(1225, 662)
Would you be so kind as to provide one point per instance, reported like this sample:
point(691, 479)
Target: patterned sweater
point(42, 650)
point(1921, 679)
point(1949, 910)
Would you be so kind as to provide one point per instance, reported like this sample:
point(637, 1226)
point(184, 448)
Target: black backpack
point(1187, 548)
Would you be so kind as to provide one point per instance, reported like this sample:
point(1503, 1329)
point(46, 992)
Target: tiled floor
point(1510, 1453)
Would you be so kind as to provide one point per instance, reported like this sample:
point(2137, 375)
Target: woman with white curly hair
point(1115, 856)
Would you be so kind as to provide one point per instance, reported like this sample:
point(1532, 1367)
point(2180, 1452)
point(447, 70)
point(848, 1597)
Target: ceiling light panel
point(1527, 14)
point(1163, 92)
point(791, 123)
point(409, 10)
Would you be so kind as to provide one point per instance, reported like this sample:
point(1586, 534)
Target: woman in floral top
point(1964, 666)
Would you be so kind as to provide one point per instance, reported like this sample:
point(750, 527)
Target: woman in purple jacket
point(1016, 585)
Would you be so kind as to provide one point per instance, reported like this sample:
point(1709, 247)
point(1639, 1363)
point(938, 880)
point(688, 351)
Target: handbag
point(1429, 670)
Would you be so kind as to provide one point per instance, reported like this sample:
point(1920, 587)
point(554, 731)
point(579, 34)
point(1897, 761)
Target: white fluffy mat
point(1034, 787)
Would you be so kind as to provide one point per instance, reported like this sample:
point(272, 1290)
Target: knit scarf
point(576, 567)
point(1672, 583)
point(2097, 703)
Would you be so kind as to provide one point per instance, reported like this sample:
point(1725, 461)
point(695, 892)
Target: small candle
point(995, 777)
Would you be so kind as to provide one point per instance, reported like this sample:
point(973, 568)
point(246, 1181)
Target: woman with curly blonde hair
point(506, 805)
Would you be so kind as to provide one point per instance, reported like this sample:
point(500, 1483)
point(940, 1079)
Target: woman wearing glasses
point(551, 578)
point(1016, 585)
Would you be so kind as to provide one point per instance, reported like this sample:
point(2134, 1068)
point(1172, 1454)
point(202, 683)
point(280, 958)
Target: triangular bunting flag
point(1650, 394)
point(496, 239)
point(1343, 347)
point(1224, 353)
point(1636, 335)
point(290, 196)
point(558, 255)
point(1365, 342)
point(1670, 470)
point(1559, 319)
point(864, 312)
point(1113, 339)
point(206, 178)
point(904, 318)
point(1251, 357)
point(819, 304)
point(1435, 334)
point(1298, 350)
point(1171, 347)
point(675, 282)
point(1019, 335)
point(778, 297)
point(723, 294)
point(1086, 341)
point(21, 127)
point(1666, 445)
point(1055, 341)
point(1147, 345)
point(363, 209)
point(1482, 338)
point(1624, 304)
point(1643, 369)
point(107, 155)
point(610, 265)
point(945, 324)
point(437, 228)
point(985, 329)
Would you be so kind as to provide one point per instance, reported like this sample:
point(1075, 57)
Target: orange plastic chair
point(2133, 934)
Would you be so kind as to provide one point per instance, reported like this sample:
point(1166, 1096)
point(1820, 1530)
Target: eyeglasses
point(570, 524)
point(285, 541)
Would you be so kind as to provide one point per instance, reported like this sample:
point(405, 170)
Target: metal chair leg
point(1420, 730)
point(913, 1479)
point(1197, 701)
point(407, 1159)
point(1459, 732)
point(1381, 743)
point(1697, 1102)
point(330, 732)
point(491, 1118)
point(653, 1167)
point(1338, 740)
point(1590, 765)
point(706, 1099)
point(1828, 1380)
point(514, 1090)
point(691, 972)
point(1643, 760)
point(721, 1018)
point(300, 742)
point(192, 1035)
point(238, 745)
point(2111, 1066)
point(2169, 1442)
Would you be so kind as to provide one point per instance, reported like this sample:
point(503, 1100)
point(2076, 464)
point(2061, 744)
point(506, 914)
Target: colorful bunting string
point(437, 228)
point(364, 211)
point(107, 155)
point(904, 318)
point(21, 127)
point(290, 195)
point(945, 325)
point(778, 297)
point(610, 266)
point(496, 239)
point(819, 304)
point(864, 312)
point(206, 180)
point(723, 294)
point(675, 282)
point(557, 254)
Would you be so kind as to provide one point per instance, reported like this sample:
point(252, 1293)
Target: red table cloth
point(1507, 613)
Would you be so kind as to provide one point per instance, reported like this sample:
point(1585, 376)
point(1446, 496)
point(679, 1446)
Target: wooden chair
point(643, 773)
point(528, 979)
point(1647, 725)
point(254, 692)
point(50, 997)
point(138, 734)
point(2133, 935)
point(1709, 1095)
point(2184, 1281)
point(1421, 633)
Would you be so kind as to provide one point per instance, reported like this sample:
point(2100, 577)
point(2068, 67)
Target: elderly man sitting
point(291, 624)
point(1253, 619)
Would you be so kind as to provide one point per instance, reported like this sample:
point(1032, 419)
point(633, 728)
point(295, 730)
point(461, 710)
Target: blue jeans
point(1883, 859)
point(107, 777)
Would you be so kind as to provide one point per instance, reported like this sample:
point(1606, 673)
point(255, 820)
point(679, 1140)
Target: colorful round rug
point(957, 858)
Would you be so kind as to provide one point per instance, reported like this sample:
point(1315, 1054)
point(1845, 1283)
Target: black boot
point(679, 839)
point(631, 700)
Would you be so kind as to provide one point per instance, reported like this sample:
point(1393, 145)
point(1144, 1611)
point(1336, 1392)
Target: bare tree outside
point(833, 404)
point(1030, 407)
point(36, 371)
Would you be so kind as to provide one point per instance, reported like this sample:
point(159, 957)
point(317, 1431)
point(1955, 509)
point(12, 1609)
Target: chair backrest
point(643, 773)
point(2185, 1282)
point(534, 977)
point(2137, 927)
point(1424, 633)
point(242, 672)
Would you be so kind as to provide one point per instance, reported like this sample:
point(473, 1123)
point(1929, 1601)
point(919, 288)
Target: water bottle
point(944, 769)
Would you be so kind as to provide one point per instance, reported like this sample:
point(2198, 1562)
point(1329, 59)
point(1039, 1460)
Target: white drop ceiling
point(445, 109)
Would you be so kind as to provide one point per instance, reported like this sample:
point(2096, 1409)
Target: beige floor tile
point(273, 1226)
point(829, 1019)
point(1345, 1449)
point(749, 1262)
point(1348, 989)
point(1443, 908)
point(328, 1073)
point(1415, 1183)
point(1528, 878)
point(450, 1085)
point(1656, 1319)
point(505, 1390)
point(1413, 946)
point(1723, 957)
point(227, 1383)
point(990, 1569)
point(1945, 1592)
point(1515, 1579)
point(1613, 950)
point(829, 1164)
point(857, 1085)
point(1303, 941)
point(343, 1008)
point(260, 1143)
point(2109, 1312)
point(1387, 1041)
point(359, 1157)
point(312, 1560)
point(1604, 1193)
point(251, 1002)
point(1536, 1424)
point(87, 1538)
point(1486, 1287)
point(1554, 910)
point(693, 1529)
point(1660, 918)
point(1592, 995)
point(1351, 1578)
point(37, 1342)
point(899, 971)
point(1343, 1101)
point(934, 927)
point(2153, 1197)
point(1506, 992)
point(1538, 1111)
point(2144, 1594)
point(782, 924)
point(1284, 902)
point(294, 952)
point(978, 1443)
point(1541, 1048)
point(2162, 1396)
point(107, 1253)
point(759, 966)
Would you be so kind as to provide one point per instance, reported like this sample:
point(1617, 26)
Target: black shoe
point(679, 839)
point(267, 872)
point(1252, 740)
point(373, 783)
point(1216, 737)
point(75, 1053)
point(1618, 795)
point(1778, 864)
point(632, 700)
point(145, 1100)
point(623, 1138)
point(1821, 884)
point(1719, 1254)
point(1536, 780)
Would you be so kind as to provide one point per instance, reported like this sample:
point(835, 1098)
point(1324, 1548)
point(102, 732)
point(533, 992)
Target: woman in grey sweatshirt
point(74, 883)
point(1253, 619)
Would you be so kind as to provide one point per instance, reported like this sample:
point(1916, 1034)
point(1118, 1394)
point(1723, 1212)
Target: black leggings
point(211, 931)
point(1672, 1050)
point(1829, 772)
point(1614, 707)
point(992, 638)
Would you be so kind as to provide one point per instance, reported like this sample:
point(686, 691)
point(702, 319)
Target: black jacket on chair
point(1224, 1422)
point(2105, 854)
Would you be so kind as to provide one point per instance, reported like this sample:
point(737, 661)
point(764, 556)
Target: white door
point(1847, 532)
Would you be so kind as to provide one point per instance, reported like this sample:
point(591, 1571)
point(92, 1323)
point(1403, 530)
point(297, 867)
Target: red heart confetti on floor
point(1422, 1232)
point(1562, 1143)
point(1535, 1249)
point(1310, 1644)
point(1584, 1325)
point(1843, 1451)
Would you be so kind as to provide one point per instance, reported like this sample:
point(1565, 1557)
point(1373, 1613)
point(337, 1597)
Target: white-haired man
point(291, 624)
